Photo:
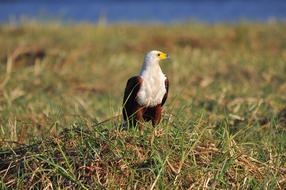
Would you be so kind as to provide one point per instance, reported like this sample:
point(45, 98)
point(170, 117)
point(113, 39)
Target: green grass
point(223, 124)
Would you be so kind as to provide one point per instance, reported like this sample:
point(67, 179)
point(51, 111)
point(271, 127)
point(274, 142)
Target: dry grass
point(224, 122)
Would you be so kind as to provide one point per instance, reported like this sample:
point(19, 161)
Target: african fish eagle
point(146, 93)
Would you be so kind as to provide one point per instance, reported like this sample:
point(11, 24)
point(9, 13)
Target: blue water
point(165, 11)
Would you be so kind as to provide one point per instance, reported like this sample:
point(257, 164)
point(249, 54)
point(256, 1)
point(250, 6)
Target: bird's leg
point(157, 115)
point(139, 117)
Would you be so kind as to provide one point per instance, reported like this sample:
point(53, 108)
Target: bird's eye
point(158, 54)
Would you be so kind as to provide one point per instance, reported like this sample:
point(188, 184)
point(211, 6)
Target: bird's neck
point(150, 70)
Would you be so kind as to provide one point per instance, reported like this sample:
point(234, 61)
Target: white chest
point(152, 89)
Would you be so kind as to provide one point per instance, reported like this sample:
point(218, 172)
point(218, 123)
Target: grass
point(224, 124)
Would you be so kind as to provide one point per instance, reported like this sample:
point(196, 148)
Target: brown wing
point(130, 105)
point(167, 90)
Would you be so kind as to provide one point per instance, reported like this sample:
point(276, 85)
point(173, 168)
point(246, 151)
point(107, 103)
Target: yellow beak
point(163, 56)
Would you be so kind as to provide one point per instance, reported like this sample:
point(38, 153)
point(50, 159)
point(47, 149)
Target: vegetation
point(61, 88)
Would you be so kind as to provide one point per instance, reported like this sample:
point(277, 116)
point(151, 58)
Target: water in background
point(144, 11)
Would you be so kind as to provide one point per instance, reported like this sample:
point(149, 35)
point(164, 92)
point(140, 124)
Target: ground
point(224, 123)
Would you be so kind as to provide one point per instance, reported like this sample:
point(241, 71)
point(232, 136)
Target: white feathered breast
point(152, 89)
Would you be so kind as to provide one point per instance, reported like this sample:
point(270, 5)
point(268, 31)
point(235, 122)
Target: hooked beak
point(164, 56)
point(168, 57)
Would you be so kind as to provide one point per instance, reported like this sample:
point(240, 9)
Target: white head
point(152, 59)
point(154, 56)
point(153, 87)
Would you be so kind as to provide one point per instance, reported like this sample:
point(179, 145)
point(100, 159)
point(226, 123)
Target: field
point(61, 88)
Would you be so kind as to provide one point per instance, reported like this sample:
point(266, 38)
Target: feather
point(145, 94)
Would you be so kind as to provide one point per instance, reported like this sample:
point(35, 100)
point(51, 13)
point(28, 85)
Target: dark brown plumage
point(146, 93)
point(133, 113)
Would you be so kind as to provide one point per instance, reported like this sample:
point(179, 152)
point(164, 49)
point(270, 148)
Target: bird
point(146, 93)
